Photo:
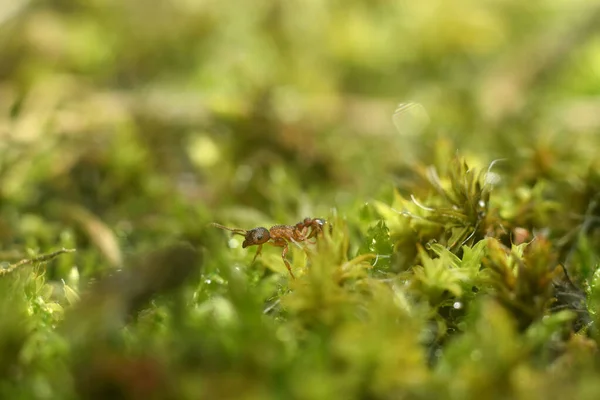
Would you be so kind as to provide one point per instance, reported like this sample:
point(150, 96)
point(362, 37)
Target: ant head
point(256, 236)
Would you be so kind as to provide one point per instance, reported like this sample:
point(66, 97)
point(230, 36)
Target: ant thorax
point(283, 232)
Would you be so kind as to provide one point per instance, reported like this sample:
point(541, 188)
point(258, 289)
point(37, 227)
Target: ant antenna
point(236, 231)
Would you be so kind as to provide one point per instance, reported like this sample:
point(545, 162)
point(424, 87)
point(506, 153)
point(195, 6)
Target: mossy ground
point(462, 260)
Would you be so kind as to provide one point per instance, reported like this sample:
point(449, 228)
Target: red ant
point(279, 236)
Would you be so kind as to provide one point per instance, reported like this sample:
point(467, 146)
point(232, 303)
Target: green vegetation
point(463, 256)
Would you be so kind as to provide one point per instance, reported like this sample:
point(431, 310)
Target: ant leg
point(283, 243)
point(301, 229)
point(316, 226)
point(287, 263)
point(257, 252)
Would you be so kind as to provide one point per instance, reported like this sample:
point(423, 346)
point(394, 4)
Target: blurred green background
point(280, 107)
point(129, 125)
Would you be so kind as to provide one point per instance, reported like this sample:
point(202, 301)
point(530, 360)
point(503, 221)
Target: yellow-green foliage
point(460, 258)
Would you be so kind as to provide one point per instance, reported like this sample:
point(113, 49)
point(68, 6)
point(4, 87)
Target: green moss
point(460, 259)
